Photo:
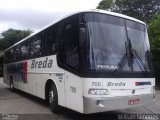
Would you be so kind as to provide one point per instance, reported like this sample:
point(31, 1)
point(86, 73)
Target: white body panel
point(74, 92)
point(71, 88)
point(37, 78)
point(118, 86)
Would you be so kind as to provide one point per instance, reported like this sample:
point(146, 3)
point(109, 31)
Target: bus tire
point(53, 99)
point(11, 87)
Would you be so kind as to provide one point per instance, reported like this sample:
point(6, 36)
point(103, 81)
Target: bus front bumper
point(94, 105)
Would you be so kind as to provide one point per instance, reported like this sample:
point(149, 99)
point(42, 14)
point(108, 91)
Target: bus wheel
point(53, 99)
point(11, 85)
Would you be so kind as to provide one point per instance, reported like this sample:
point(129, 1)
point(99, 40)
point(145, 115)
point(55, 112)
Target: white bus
point(88, 61)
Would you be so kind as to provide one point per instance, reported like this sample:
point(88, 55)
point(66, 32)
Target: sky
point(35, 14)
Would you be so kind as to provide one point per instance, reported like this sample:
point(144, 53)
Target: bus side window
point(1, 65)
point(25, 49)
point(6, 57)
point(11, 55)
point(49, 42)
point(35, 49)
point(17, 52)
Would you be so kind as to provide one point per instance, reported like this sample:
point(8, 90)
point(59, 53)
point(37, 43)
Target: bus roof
point(76, 12)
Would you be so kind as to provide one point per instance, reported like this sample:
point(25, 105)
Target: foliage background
point(11, 36)
point(154, 36)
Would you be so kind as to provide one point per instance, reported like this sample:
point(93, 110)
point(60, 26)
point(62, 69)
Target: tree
point(140, 9)
point(154, 32)
point(12, 36)
point(154, 36)
point(105, 4)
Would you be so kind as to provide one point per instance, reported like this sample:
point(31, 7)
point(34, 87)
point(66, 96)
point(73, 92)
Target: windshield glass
point(137, 34)
point(107, 37)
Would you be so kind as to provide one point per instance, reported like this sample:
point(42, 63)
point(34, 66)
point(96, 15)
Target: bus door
point(69, 57)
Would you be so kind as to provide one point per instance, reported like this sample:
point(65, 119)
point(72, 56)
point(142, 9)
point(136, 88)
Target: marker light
point(98, 91)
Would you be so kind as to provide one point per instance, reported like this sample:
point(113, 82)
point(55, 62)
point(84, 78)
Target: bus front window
point(137, 34)
point(106, 46)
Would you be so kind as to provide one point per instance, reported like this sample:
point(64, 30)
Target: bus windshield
point(107, 43)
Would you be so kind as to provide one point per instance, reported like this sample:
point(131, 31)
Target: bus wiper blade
point(134, 53)
point(120, 65)
point(147, 55)
point(122, 62)
point(140, 60)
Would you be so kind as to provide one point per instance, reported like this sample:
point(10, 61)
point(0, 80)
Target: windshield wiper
point(139, 59)
point(135, 54)
point(130, 53)
point(147, 55)
point(121, 63)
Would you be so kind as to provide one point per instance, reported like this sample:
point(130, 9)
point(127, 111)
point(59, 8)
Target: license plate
point(133, 102)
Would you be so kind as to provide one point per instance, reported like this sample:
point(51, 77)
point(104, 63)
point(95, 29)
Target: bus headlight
point(98, 91)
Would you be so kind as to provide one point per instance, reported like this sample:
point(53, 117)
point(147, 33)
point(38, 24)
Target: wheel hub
point(51, 97)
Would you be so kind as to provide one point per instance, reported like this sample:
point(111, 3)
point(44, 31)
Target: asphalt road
point(21, 106)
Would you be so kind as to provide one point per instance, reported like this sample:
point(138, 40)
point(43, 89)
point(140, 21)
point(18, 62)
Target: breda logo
point(46, 63)
point(115, 84)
